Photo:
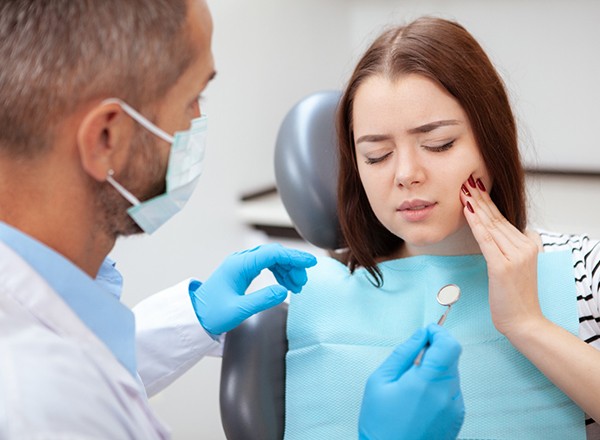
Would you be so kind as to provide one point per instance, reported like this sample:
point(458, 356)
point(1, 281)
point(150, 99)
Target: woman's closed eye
point(374, 159)
point(440, 148)
point(377, 159)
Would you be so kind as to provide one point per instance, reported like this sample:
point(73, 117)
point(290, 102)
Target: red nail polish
point(481, 185)
point(465, 191)
point(471, 181)
point(470, 208)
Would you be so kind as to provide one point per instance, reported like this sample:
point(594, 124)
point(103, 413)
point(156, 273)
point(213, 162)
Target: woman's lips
point(416, 210)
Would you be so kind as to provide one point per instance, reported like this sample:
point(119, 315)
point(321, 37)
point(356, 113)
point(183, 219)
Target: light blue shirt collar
point(96, 302)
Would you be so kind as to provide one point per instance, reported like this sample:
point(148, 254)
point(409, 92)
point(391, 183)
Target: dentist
point(102, 136)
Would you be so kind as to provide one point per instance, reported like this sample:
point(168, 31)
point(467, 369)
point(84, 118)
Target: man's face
point(180, 104)
point(145, 171)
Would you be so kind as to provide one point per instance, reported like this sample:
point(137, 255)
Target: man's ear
point(104, 138)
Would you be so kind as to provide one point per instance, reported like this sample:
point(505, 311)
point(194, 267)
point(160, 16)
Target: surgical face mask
point(183, 171)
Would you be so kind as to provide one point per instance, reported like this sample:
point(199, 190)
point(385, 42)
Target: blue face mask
point(183, 171)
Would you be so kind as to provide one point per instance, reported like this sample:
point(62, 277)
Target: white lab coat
point(59, 381)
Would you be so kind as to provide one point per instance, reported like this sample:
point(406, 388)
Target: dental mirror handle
point(443, 318)
point(421, 353)
point(440, 322)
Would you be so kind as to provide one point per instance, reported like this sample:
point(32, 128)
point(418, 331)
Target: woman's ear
point(104, 138)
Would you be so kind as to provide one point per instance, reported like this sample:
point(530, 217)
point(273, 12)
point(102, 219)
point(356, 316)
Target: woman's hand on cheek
point(511, 259)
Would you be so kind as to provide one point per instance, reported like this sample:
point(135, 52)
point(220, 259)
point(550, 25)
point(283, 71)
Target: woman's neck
point(462, 242)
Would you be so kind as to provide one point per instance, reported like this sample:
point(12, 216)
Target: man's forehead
point(200, 19)
point(199, 33)
point(199, 23)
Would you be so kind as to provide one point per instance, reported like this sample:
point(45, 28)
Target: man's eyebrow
point(426, 128)
point(204, 84)
point(211, 76)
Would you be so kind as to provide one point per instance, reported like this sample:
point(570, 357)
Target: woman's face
point(414, 150)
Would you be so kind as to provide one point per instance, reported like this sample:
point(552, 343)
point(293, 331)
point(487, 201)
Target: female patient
point(431, 191)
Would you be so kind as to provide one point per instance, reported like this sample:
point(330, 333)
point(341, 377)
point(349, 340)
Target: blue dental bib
point(340, 329)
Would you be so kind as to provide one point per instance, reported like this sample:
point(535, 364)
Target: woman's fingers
point(487, 242)
point(487, 223)
point(511, 258)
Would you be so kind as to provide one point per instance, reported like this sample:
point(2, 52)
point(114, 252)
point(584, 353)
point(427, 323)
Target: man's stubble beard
point(143, 175)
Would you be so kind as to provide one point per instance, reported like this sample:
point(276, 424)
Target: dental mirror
point(446, 296)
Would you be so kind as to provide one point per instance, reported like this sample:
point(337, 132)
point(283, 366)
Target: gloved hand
point(221, 304)
point(415, 402)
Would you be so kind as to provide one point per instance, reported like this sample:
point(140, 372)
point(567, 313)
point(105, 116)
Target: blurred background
point(271, 53)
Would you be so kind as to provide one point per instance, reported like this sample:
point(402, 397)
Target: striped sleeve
point(586, 271)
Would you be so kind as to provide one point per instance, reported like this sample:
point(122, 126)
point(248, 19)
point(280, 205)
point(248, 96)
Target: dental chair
point(252, 389)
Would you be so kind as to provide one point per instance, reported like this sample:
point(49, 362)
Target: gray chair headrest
point(306, 168)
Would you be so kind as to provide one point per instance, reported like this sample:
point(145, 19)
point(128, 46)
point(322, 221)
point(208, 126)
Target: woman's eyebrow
point(426, 128)
point(372, 138)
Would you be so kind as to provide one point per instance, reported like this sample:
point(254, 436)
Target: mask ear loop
point(135, 115)
point(140, 119)
point(116, 185)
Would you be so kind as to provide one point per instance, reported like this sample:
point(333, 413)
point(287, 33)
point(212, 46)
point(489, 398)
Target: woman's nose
point(409, 170)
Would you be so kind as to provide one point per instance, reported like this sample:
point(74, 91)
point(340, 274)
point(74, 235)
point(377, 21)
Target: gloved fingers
point(441, 358)
point(246, 251)
point(262, 299)
point(267, 256)
point(271, 254)
point(291, 277)
point(403, 357)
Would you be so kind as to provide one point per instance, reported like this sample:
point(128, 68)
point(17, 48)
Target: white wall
point(546, 51)
point(271, 53)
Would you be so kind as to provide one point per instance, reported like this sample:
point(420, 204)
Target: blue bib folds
point(340, 329)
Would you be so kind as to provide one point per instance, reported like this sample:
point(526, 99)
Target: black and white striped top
point(586, 264)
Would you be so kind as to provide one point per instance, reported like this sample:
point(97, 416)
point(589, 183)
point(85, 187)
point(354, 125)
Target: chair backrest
point(252, 393)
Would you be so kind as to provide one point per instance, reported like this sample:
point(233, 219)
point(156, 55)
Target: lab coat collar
point(20, 283)
point(94, 302)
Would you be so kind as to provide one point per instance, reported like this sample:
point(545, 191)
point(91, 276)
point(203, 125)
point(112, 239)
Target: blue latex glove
point(415, 402)
point(221, 303)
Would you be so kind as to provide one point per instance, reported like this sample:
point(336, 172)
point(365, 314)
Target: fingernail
point(471, 181)
point(481, 185)
point(470, 208)
point(465, 191)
